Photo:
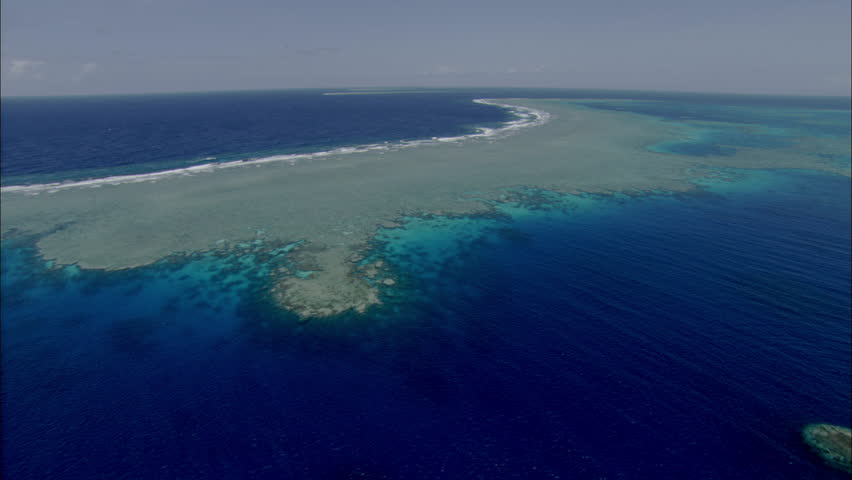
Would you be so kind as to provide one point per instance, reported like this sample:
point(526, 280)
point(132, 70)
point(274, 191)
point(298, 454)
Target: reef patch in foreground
point(332, 286)
point(833, 443)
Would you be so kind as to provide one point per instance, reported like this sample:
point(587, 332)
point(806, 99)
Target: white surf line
point(526, 117)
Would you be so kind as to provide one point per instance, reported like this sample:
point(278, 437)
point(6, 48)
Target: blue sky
point(114, 46)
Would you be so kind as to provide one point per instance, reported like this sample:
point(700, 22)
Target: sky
point(61, 47)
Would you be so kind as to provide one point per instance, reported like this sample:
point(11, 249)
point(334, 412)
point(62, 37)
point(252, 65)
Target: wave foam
point(525, 117)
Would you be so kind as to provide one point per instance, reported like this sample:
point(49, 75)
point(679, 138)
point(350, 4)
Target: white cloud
point(444, 70)
point(22, 66)
point(85, 70)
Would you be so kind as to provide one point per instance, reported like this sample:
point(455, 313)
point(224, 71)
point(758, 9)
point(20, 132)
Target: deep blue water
point(664, 336)
point(83, 137)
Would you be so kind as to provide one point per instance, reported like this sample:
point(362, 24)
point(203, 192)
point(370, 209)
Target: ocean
point(635, 333)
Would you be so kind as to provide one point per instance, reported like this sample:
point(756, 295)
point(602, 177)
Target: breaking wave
point(525, 117)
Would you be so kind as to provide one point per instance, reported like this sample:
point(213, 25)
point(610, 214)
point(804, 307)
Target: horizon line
point(402, 89)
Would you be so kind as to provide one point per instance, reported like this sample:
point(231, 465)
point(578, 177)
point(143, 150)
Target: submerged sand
point(335, 203)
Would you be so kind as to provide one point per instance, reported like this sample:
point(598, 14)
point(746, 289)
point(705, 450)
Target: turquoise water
point(723, 129)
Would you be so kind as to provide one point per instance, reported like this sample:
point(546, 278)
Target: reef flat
point(335, 203)
point(832, 443)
